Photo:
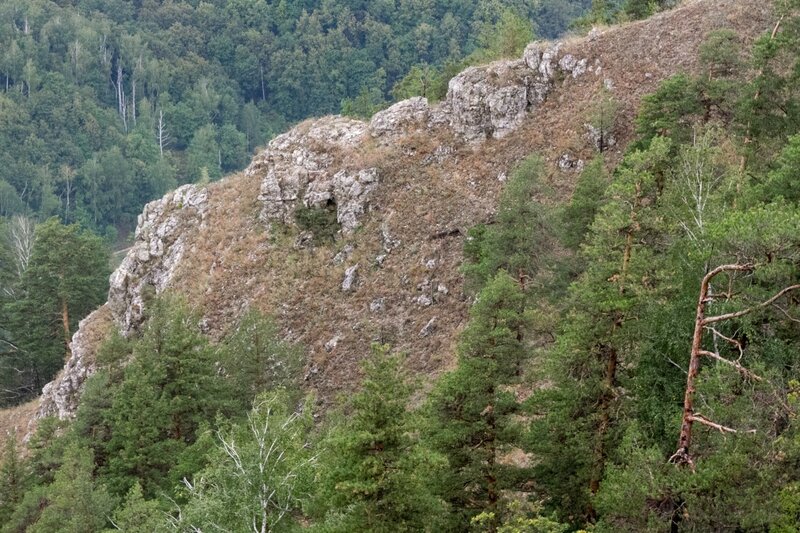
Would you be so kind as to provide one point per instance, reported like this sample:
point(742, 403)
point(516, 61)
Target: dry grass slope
point(233, 263)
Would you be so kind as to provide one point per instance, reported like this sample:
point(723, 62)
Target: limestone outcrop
point(398, 119)
point(60, 396)
point(160, 241)
point(493, 100)
point(301, 166)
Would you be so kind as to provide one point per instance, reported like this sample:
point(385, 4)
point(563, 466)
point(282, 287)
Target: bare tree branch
point(785, 313)
point(742, 370)
point(697, 417)
point(743, 312)
point(730, 340)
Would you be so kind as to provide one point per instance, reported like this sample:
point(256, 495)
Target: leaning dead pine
point(705, 324)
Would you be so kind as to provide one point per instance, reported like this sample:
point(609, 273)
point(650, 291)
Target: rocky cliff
point(405, 187)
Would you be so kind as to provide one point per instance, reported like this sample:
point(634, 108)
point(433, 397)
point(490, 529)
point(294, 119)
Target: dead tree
point(705, 324)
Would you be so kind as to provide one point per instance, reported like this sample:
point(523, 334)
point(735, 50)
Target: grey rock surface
point(493, 100)
point(390, 123)
point(160, 242)
point(60, 396)
point(350, 278)
point(300, 166)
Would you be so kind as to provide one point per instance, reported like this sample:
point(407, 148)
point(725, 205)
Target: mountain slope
point(405, 187)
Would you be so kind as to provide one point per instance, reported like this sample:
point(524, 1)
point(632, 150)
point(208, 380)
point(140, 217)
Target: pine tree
point(519, 238)
point(255, 359)
point(76, 503)
point(376, 472)
point(12, 479)
point(577, 426)
point(472, 409)
point(137, 515)
point(66, 278)
point(170, 388)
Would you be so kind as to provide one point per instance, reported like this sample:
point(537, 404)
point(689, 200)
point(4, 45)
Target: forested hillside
point(563, 299)
point(108, 104)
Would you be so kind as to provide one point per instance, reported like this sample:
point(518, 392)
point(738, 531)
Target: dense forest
point(629, 364)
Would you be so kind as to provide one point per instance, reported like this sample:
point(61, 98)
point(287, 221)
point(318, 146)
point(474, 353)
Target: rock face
point(160, 241)
point(493, 100)
point(399, 118)
point(300, 165)
point(60, 396)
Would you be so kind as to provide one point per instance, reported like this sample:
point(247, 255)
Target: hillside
point(564, 297)
point(421, 175)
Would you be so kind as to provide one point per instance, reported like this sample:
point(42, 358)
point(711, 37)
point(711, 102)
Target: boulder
point(399, 119)
point(493, 100)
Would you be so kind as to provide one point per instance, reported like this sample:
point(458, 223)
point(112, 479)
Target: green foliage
point(520, 519)
point(578, 215)
point(558, 423)
point(256, 360)
point(670, 111)
point(506, 38)
point(204, 155)
point(137, 515)
point(720, 54)
point(472, 408)
point(322, 222)
point(169, 390)
point(28, 511)
point(376, 474)
point(518, 239)
point(783, 182)
point(100, 99)
point(640, 9)
point(12, 479)
point(421, 80)
point(577, 422)
point(75, 502)
point(66, 278)
point(258, 475)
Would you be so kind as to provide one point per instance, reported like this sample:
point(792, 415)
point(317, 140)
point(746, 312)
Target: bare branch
point(697, 417)
point(730, 340)
point(785, 313)
point(737, 314)
point(742, 370)
point(21, 236)
point(679, 367)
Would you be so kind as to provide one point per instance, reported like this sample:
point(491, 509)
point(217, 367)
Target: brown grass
point(14, 421)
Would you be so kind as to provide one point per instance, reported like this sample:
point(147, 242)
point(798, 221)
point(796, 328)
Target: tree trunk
point(682, 457)
point(609, 356)
point(491, 473)
point(263, 88)
point(609, 382)
point(65, 324)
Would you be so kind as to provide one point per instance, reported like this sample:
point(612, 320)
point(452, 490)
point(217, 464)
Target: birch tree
point(258, 476)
